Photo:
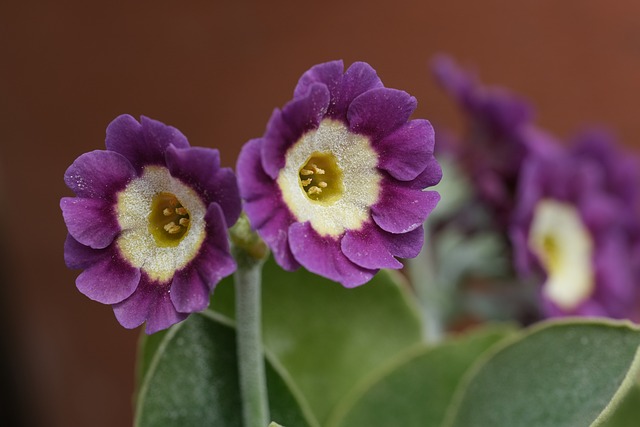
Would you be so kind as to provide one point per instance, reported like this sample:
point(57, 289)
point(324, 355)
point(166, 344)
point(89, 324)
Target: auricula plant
point(338, 188)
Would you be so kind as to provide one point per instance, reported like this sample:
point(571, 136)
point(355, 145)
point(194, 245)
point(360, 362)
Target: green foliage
point(416, 388)
point(193, 380)
point(351, 358)
point(558, 374)
point(327, 337)
point(627, 413)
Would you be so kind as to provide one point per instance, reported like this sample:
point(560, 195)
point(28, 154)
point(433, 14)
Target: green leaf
point(627, 413)
point(327, 337)
point(557, 374)
point(193, 380)
point(147, 347)
point(416, 388)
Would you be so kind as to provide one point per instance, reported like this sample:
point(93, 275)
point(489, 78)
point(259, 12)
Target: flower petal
point(329, 74)
point(616, 289)
point(192, 285)
point(200, 169)
point(142, 143)
point(298, 116)
point(151, 303)
point(405, 245)
point(79, 256)
point(124, 136)
point(458, 82)
point(264, 205)
point(163, 315)
point(430, 176)
point(91, 222)
point(602, 213)
point(189, 292)
point(110, 279)
point(367, 248)
point(359, 78)
point(215, 260)
point(405, 152)
point(378, 112)
point(323, 256)
point(99, 174)
point(401, 209)
point(133, 311)
point(227, 194)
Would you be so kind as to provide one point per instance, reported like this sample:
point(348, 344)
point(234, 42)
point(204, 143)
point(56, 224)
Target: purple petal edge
point(323, 256)
point(263, 204)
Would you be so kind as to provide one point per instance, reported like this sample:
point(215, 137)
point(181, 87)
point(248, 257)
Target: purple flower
point(336, 182)
point(149, 223)
point(575, 225)
point(500, 135)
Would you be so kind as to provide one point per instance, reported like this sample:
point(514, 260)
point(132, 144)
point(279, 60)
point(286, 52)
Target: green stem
point(253, 387)
point(430, 295)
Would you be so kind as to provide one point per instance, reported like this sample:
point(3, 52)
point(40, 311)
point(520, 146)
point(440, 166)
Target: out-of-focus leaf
point(192, 380)
point(416, 388)
point(483, 254)
point(327, 337)
point(627, 413)
point(559, 374)
point(454, 189)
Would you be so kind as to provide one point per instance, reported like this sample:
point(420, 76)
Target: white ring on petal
point(137, 244)
point(569, 265)
point(360, 179)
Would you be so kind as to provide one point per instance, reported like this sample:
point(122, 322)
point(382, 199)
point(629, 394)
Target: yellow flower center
point(564, 246)
point(350, 174)
point(168, 220)
point(321, 178)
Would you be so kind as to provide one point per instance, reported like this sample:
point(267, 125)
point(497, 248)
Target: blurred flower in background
point(575, 225)
point(499, 135)
point(568, 217)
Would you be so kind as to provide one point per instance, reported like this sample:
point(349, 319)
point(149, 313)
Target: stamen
point(167, 220)
point(317, 170)
point(314, 190)
point(172, 228)
point(320, 178)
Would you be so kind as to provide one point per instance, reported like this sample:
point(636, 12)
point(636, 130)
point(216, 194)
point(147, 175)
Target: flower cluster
point(149, 223)
point(336, 182)
point(576, 222)
point(336, 185)
point(500, 135)
point(571, 215)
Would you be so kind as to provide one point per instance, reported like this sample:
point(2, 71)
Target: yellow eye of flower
point(321, 178)
point(162, 222)
point(564, 247)
point(330, 178)
point(168, 220)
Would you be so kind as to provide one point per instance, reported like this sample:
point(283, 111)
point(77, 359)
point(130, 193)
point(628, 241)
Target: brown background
point(215, 70)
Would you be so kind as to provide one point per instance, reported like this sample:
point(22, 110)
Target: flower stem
point(253, 387)
point(430, 295)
